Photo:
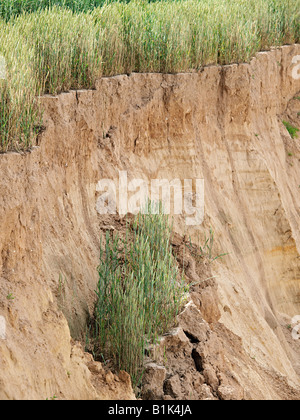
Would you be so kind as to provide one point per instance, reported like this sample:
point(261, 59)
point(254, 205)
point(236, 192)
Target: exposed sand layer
point(223, 124)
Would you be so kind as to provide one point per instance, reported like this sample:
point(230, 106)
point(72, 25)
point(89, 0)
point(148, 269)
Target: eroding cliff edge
point(223, 125)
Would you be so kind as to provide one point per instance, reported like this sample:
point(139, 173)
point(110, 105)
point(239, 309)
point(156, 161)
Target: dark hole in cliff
point(198, 360)
point(191, 337)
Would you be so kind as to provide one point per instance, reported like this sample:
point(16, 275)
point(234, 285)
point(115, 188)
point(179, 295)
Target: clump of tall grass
point(52, 46)
point(46, 52)
point(140, 292)
point(20, 115)
point(11, 8)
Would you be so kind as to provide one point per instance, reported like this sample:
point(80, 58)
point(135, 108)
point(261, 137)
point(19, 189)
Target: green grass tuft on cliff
point(51, 46)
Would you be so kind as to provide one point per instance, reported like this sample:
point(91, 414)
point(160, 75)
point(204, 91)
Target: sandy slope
point(223, 124)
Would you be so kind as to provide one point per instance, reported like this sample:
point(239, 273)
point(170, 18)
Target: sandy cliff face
point(223, 125)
